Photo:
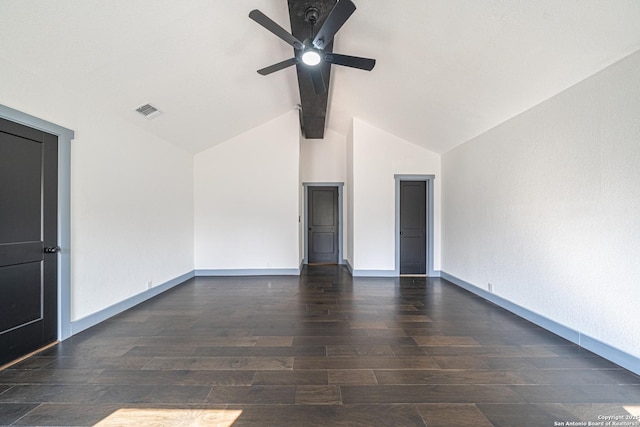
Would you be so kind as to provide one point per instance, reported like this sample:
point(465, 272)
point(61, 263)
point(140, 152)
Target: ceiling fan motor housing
point(311, 15)
point(313, 57)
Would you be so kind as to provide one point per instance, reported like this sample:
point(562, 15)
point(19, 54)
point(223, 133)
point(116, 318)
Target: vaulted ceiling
point(447, 70)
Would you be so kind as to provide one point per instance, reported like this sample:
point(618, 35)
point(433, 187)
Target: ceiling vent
point(149, 111)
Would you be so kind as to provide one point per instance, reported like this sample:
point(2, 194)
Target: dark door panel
point(28, 224)
point(18, 253)
point(413, 227)
point(323, 225)
point(412, 249)
point(23, 283)
point(323, 243)
point(20, 192)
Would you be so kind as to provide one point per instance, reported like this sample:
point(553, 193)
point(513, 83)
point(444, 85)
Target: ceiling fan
point(311, 52)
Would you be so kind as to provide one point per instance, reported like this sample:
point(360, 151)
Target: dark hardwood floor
point(323, 349)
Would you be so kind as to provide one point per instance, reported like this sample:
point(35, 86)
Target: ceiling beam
point(314, 107)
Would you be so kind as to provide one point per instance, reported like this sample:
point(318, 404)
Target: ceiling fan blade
point(317, 80)
point(350, 61)
point(336, 19)
point(277, 67)
point(276, 29)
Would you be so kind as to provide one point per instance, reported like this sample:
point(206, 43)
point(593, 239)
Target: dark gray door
point(28, 239)
point(322, 217)
point(413, 227)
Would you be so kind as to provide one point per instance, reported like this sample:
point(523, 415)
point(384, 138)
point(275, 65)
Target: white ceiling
point(447, 70)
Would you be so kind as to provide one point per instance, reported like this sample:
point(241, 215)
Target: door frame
point(64, 209)
point(429, 210)
point(305, 216)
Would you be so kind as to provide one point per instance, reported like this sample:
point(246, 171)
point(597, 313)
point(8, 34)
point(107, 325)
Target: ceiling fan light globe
point(311, 58)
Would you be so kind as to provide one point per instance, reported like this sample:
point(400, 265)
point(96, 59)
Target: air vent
point(149, 111)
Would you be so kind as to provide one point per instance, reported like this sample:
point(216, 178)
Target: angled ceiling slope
point(447, 70)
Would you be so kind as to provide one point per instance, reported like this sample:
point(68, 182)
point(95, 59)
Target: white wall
point(132, 214)
point(349, 199)
point(546, 207)
point(324, 160)
point(246, 200)
point(377, 157)
point(131, 200)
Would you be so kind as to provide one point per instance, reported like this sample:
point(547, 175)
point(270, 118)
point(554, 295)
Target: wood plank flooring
point(323, 349)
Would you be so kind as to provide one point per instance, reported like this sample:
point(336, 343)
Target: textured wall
point(246, 199)
point(132, 213)
point(131, 195)
point(377, 157)
point(349, 199)
point(324, 160)
point(546, 208)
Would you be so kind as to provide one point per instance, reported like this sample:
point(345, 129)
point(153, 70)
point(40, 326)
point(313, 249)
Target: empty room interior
point(437, 224)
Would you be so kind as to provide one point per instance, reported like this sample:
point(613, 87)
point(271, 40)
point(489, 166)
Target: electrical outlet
point(150, 284)
point(490, 287)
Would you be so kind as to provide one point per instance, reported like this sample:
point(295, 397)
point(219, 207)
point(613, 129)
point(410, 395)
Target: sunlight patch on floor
point(170, 417)
point(633, 410)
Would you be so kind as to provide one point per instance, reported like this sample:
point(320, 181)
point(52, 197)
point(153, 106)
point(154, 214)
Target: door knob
point(52, 249)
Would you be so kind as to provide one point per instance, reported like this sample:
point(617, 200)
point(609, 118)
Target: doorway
point(414, 225)
point(63, 327)
point(323, 223)
point(28, 239)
